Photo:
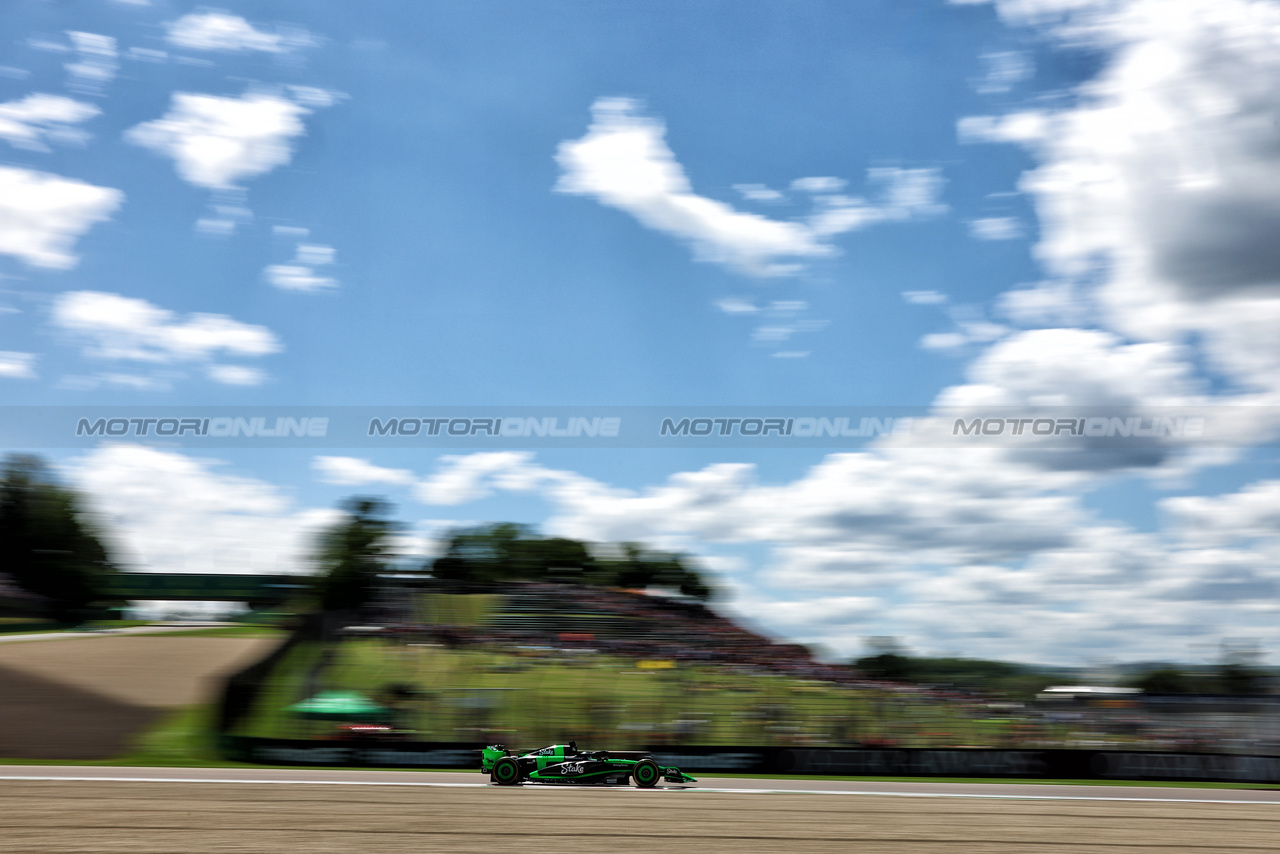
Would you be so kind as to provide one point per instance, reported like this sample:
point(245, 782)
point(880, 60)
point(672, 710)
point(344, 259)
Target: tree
point(507, 552)
point(352, 552)
point(48, 544)
point(889, 666)
point(641, 569)
point(1164, 680)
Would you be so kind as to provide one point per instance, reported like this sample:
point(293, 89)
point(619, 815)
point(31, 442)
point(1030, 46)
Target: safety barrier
point(869, 762)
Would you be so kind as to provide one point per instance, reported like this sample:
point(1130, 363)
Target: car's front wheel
point(646, 773)
point(506, 771)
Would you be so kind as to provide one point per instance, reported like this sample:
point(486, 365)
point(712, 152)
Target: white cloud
point(1061, 367)
point(1161, 178)
point(904, 194)
point(171, 512)
point(462, 479)
point(314, 254)
point(118, 328)
point(819, 185)
point(759, 193)
point(925, 297)
point(1005, 69)
point(1052, 303)
point(737, 305)
point(301, 274)
point(95, 64)
point(312, 96)
point(944, 341)
point(351, 471)
point(42, 215)
point(220, 31)
point(624, 162)
point(236, 375)
point(217, 142)
point(1250, 514)
point(1025, 128)
point(297, 277)
point(38, 119)
point(995, 228)
point(17, 366)
point(216, 226)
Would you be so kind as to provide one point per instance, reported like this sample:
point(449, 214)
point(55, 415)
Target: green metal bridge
point(192, 587)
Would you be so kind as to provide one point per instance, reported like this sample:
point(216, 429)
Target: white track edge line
point(977, 795)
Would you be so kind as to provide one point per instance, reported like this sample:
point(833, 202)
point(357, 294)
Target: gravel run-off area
point(80, 817)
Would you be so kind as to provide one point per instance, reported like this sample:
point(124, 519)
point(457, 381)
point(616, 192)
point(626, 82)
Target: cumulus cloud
point(1161, 178)
point(759, 193)
point(953, 550)
point(17, 366)
point(925, 297)
point(462, 479)
point(217, 142)
point(737, 305)
point(301, 275)
point(39, 119)
point(42, 215)
point(1025, 128)
point(118, 328)
point(219, 31)
point(995, 228)
point(352, 471)
point(95, 64)
point(236, 375)
point(1005, 69)
point(1250, 514)
point(1059, 367)
point(903, 194)
point(624, 162)
point(171, 512)
point(1052, 303)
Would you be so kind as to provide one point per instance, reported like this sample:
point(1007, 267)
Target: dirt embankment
point(84, 698)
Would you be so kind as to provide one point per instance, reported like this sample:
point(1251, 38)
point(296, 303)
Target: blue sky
point(956, 204)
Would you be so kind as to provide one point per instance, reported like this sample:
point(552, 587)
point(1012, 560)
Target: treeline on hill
point(1238, 673)
point(49, 548)
point(971, 674)
point(355, 550)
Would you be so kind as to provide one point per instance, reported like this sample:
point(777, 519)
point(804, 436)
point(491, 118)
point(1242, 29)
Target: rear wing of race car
point(492, 754)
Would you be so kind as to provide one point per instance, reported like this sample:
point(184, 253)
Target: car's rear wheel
point(646, 773)
point(506, 771)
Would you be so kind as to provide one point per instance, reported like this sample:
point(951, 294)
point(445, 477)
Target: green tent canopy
point(339, 705)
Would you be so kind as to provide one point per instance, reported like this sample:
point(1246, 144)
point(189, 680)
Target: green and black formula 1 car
point(565, 764)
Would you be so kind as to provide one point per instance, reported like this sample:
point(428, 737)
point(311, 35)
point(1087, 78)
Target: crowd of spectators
point(564, 620)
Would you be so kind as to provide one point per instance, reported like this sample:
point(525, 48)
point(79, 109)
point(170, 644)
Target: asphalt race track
point(152, 810)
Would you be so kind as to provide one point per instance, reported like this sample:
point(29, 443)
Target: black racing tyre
point(646, 773)
point(506, 771)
